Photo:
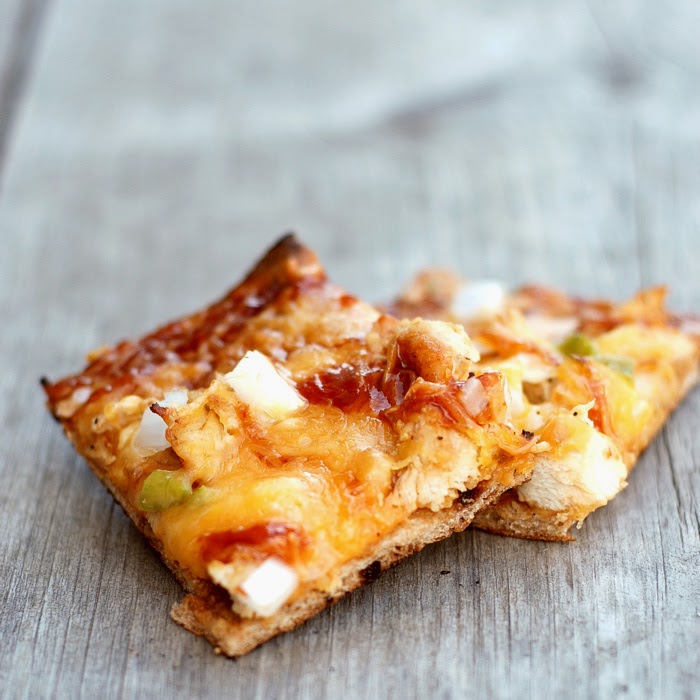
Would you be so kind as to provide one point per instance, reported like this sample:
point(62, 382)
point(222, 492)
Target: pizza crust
point(100, 410)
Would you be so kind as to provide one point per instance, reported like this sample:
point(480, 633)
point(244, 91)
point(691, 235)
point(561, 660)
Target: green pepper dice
point(578, 344)
point(162, 489)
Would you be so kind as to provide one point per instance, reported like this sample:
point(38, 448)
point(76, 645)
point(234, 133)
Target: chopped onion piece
point(514, 399)
point(478, 299)
point(81, 395)
point(150, 435)
point(474, 396)
point(581, 411)
point(553, 328)
point(268, 588)
point(176, 398)
point(257, 383)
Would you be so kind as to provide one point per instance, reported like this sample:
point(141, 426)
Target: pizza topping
point(274, 538)
point(163, 489)
point(552, 328)
point(578, 345)
point(479, 299)
point(435, 350)
point(538, 393)
point(496, 395)
point(257, 383)
point(436, 470)
point(150, 435)
point(81, 395)
point(262, 591)
point(509, 336)
point(473, 396)
point(344, 387)
point(621, 364)
point(583, 470)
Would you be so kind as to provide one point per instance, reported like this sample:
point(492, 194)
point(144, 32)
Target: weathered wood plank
point(20, 22)
point(161, 147)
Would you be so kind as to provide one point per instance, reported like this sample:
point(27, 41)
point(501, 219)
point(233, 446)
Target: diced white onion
point(257, 383)
point(474, 396)
point(150, 435)
point(552, 328)
point(81, 395)
point(268, 588)
point(478, 299)
point(514, 399)
point(581, 411)
point(176, 398)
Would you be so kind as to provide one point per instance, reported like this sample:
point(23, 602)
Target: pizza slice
point(593, 379)
point(285, 445)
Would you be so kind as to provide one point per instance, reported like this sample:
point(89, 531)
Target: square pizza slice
point(285, 445)
point(594, 380)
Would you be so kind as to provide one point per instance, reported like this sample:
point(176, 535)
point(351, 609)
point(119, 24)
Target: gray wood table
point(150, 151)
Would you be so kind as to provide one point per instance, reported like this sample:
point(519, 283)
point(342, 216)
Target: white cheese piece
point(261, 592)
point(257, 383)
point(589, 478)
point(479, 299)
point(150, 435)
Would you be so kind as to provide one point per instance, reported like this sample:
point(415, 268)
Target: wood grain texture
point(161, 146)
point(20, 23)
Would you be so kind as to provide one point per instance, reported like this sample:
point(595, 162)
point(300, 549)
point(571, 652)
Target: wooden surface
point(151, 150)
